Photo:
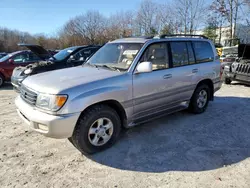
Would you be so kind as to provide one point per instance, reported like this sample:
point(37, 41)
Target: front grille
point(243, 68)
point(28, 96)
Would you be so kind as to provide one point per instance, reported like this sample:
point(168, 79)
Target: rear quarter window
point(203, 51)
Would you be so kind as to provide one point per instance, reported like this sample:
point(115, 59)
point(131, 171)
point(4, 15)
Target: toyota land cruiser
point(127, 82)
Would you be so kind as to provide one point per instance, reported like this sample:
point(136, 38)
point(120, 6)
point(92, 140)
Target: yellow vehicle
point(219, 51)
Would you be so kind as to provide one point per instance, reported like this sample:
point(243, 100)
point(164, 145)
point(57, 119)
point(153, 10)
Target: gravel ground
point(180, 150)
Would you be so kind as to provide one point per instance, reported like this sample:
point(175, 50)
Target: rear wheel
point(228, 81)
point(97, 129)
point(1, 80)
point(200, 99)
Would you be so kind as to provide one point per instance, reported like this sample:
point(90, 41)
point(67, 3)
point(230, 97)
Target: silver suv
point(127, 82)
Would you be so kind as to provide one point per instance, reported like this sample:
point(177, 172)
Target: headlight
point(51, 102)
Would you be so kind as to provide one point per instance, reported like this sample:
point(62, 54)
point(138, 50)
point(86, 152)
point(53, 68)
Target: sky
point(47, 16)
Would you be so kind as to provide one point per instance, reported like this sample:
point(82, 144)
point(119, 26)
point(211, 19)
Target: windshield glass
point(116, 55)
point(5, 57)
point(64, 53)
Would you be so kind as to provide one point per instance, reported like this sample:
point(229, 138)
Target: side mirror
point(144, 67)
point(11, 61)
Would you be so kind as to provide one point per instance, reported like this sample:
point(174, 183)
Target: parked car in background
point(2, 54)
point(69, 57)
point(9, 62)
point(240, 69)
point(127, 82)
point(229, 55)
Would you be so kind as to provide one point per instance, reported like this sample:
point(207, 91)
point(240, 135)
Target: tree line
point(150, 18)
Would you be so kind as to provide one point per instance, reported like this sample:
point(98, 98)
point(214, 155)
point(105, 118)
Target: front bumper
point(16, 82)
point(54, 126)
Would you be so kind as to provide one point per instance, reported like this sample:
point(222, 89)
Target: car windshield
point(64, 53)
point(118, 56)
point(5, 58)
point(229, 51)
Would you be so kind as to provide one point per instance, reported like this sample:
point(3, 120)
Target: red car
point(15, 59)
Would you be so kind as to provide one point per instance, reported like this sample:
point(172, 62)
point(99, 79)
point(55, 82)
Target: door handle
point(194, 70)
point(167, 76)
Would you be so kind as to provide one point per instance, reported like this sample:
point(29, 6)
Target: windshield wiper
point(104, 66)
point(109, 67)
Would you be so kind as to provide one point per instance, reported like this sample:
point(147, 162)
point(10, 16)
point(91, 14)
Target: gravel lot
point(179, 150)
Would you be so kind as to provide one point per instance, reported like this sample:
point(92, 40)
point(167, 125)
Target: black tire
point(80, 137)
point(228, 81)
point(1, 80)
point(193, 106)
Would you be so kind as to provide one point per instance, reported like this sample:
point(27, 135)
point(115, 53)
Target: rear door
point(209, 64)
point(184, 71)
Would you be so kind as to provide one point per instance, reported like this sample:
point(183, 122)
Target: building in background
point(223, 35)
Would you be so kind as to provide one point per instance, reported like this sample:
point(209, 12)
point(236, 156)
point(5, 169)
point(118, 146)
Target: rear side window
point(179, 53)
point(203, 51)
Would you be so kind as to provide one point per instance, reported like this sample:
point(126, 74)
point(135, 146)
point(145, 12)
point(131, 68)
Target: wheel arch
point(114, 105)
point(210, 84)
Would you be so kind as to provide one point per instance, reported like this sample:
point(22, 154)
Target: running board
point(156, 115)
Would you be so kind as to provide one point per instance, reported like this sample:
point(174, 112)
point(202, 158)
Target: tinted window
point(33, 57)
point(157, 54)
point(21, 58)
point(82, 55)
point(179, 53)
point(203, 51)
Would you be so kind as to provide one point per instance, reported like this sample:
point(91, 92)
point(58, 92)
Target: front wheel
point(97, 129)
point(200, 99)
point(1, 80)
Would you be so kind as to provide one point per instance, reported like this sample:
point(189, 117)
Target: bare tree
point(146, 19)
point(229, 9)
point(190, 14)
point(120, 25)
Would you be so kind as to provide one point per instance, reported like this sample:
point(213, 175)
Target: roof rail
point(142, 37)
point(182, 35)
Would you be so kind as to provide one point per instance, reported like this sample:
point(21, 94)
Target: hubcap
point(100, 131)
point(202, 99)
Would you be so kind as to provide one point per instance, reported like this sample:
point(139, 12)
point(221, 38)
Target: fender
point(79, 103)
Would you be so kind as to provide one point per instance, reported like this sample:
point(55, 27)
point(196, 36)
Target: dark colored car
point(2, 54)
point(240, 69)
point(10, 61)
point(69, 57)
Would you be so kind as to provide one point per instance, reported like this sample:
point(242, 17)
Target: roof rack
point(141, 37)
point(182, 35)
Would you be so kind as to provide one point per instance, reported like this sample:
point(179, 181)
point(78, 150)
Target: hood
point(244, 51)
point(38, 50)
point(53, 82)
